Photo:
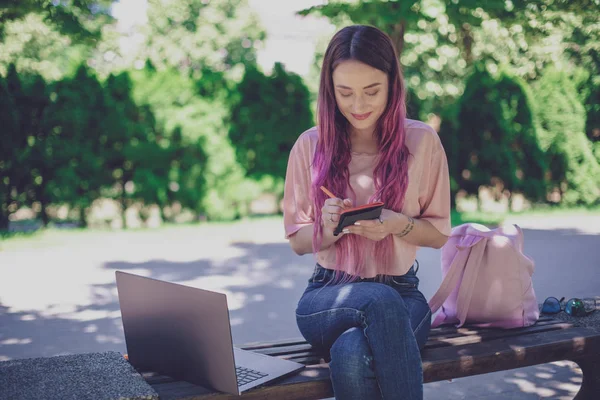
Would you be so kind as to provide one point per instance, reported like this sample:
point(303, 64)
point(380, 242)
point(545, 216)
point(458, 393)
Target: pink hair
point(333, 152)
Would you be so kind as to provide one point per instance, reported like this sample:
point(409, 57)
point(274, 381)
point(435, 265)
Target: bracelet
point(409, 227)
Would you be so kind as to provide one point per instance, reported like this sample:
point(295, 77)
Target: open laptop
point(184, 332)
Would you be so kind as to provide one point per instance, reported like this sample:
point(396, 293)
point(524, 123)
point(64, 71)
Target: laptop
point(184, 332)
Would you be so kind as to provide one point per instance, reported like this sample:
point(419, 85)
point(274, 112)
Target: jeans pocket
point(405, 282)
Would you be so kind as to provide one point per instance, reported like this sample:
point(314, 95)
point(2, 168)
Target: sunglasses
point(575, 307)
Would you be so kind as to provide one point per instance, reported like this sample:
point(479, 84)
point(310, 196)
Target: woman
point(362, 307)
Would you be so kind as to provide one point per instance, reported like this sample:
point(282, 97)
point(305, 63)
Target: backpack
point(487, 279)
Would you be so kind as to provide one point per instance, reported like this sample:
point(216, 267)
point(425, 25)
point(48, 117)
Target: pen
point(327, 192)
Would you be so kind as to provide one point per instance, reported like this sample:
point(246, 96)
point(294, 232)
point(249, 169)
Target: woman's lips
point(360, 117)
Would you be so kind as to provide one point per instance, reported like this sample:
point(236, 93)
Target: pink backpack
point(487, 279)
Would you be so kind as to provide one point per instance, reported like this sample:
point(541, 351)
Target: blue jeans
point(370, 332)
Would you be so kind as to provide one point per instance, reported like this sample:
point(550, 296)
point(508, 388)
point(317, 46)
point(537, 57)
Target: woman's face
point(361, 93)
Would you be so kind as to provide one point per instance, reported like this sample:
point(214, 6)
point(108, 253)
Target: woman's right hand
point(330, 213)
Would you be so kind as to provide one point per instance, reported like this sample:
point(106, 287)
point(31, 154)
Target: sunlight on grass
point(251, 229)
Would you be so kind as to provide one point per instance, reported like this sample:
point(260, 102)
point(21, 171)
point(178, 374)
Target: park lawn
point(262, 229)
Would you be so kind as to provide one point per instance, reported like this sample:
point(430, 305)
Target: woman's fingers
point(330, 213)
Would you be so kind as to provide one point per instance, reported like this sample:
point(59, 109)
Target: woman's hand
point(330, 213)
point(377, 229)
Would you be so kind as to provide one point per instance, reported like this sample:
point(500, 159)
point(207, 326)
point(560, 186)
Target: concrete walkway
point(59, 297)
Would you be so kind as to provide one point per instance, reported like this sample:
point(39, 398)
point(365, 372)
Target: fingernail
point(346, 231)
point(357, 223)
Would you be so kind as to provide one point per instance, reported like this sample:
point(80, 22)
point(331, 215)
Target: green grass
point(494, 219)
point(72, 236)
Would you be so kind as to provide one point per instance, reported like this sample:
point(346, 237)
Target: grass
point(494, 219)
point(247, 227)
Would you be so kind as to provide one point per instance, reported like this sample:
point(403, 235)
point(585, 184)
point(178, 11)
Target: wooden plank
point(450, 353)
point(508, 353)
point(487, 336)
point(492, 331)
point(443, 330)
point(453, 337)
point(438, 364)
point(310, 383)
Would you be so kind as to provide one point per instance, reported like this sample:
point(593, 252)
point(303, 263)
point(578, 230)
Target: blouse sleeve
point(297, 208)
point(434, 193)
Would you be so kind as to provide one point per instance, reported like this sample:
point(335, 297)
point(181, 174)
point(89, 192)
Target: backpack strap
point(450, 280)
point(454, 274)
point(467, 285)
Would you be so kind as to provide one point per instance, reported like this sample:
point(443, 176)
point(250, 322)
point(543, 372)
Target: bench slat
point(508, 353)
point(450, 353)
point(486, 336)
point(461, 336)
point(445, 330)
point(311, 383)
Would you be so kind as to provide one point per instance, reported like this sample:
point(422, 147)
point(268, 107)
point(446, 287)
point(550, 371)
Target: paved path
point(60, 296)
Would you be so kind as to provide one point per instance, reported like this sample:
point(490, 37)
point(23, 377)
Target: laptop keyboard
point(247, 375)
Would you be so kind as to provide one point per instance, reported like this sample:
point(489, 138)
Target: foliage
point(179, 109)
point(77, 114)
point(491, 138)
point(198, 36)
point(11, 145)
point(36, 47)
point(262, 137)
point(575, 171)
point(78, 19)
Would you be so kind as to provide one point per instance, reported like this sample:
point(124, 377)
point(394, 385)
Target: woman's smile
point(361, 117)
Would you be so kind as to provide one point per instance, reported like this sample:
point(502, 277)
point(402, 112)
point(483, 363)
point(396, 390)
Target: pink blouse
point(427, 195)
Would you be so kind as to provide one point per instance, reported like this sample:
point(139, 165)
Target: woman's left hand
point(376, 229)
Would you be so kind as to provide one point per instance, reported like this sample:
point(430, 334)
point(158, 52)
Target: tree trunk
point(123, 202)
point(397, 36)
point(4, 217)
point(162, 213)
point(44, 214)
point(82, 217)
point(467, 42)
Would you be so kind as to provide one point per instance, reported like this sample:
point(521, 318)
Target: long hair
point(333, 152)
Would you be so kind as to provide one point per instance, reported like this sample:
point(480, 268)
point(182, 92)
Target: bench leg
point(590, 387)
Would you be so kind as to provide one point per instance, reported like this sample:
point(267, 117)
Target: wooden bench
point(449, 353)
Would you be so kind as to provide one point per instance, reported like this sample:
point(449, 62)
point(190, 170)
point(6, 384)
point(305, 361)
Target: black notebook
point(351, 215)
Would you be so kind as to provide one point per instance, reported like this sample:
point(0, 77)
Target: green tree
point(491, 137)
point(41, 144)
point(12, 146)
point(77, 114)
point(131, 143)
point(575, 172)
point(267, 118)
point(79, 19)
point(178, 108)
point(201, 38)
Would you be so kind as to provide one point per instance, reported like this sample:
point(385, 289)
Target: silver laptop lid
point(179, 331)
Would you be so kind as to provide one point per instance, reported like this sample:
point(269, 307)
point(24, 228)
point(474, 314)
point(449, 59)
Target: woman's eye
point(345, 94)
point(372, 94)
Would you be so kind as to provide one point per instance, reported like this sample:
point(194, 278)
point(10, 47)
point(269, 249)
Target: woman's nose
point(359, 103)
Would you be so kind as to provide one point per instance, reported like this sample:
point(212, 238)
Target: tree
point(77, 113)
point(199, 37)
point(131, 147)
point(222, 192)
point(267, 118)
point(575, 172)
point(12, 145)
point(491, 137)
point(78, 19)
point(41, 144)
